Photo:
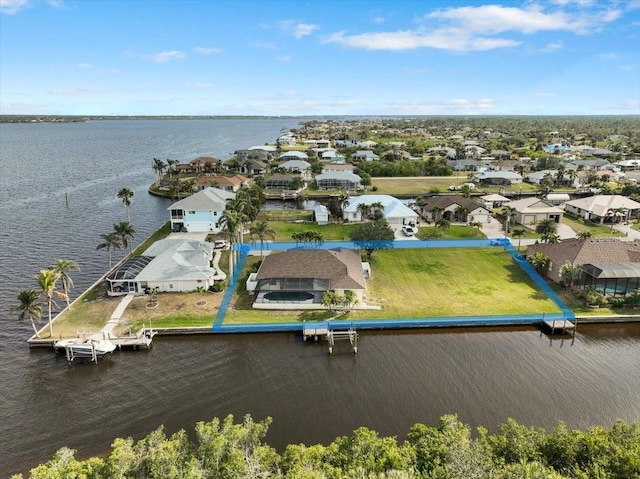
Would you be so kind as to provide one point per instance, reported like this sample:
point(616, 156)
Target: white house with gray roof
point(614, 208)
point(200, 212)
point(393, 210)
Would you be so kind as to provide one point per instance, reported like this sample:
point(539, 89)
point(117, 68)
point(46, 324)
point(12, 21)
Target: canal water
point(58, 186)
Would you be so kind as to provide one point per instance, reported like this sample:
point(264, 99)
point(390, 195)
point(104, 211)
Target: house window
point(170, 285)
point(192, 212)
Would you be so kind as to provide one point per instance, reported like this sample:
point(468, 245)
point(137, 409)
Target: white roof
point(177, 260)
point(295, 164)
point(393, 207)
point(600, 204)
point(338, 175)
point(209, 199)
point(532, 205)
point(494, 197)
point(297, 154)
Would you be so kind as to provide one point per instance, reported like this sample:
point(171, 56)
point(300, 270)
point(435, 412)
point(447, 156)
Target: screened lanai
point(122, 280)
point(616, 279)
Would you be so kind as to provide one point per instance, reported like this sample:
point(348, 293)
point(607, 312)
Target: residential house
point(609, 265)
point(364, 155)
point(497, 178)
point(298, 279)
point(454, 208)
point(251, 167)
point(279, 182)
point(201, 211)
point(338, 167)
point(286, 139)
point(393, 210)
point(204, 164)
point(296, 166)
point(367, 144)
point(227, 183)
point(333, 180)
point(494, 201)
point(532, 210)
point(293, 155)
point(603, 208)
point(317, 143)
point(168, 265)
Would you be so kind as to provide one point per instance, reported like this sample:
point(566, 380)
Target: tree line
point(226, 449)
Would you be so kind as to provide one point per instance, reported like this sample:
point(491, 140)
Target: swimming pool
point(288, 296)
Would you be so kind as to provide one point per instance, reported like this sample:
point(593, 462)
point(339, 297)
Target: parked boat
point(84, 348)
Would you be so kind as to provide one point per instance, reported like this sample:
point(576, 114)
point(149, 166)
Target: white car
point(221, 244)
point(409, 230)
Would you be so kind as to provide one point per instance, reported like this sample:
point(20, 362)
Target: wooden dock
point(559, 326)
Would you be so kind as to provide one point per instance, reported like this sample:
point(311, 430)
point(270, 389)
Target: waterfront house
point(297, 279)
point(333, 180)
point(204, 164)
point(169, 265)
point(251, 167)
point(338, 167)
point(227, 183)
point(296, 166)
point(530, 211)
point(364, 155)
point(454, 208)
point(497, 178)
point(279, 182)
point(494, 201)
point(293, 155)
point(603, 208)
point(392, 209)
point(609, 265)
point(201, 211)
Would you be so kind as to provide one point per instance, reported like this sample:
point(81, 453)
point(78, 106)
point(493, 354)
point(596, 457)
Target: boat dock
point(559, 326)
point(322, 330)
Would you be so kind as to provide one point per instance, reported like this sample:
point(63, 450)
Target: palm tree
point(518, 233)
point(443, 224)
point(378, 208)
point(435, 212)
point(125, 194)
point(570, 273)
point(538, 261)
point(46, 280)
point(461, 213)
point(349, 299)
point(546, 228)
point(363, 208)
point(125, 231)
point(29, 306)
point(110, 241)
point(170, 167)
point(262, 231)
point(230, 221)
point(343, 200)
point(584, 235)
point(158, 167)
point(509, 214)
point(63, 266)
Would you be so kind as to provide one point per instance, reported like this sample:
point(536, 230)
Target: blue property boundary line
point(397, 323)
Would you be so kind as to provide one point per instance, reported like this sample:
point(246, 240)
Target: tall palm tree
point(343, 200)
point(158, 166)
point(29, 306)
point(509, 214)
point(46, 280)
point(538, 261)
point(262, 231)
point(546, 228)
point(125, 194)
point(110, 241)
point(363, 208)
point(435, 212)
point(443, 224)
point(125, 231)
point(230, 221)
point(518, 233)
point(170, 167)
point(461, 213)
point(64, 266)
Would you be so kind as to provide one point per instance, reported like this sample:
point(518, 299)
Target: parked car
point(409, 230)
point(221, 244)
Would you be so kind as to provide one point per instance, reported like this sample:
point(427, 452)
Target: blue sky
point(326, 57)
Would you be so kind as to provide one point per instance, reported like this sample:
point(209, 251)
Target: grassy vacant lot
point(596, 230)
point(429, 282)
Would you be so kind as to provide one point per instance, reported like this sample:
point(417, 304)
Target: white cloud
point(163, 57)
point(9, 7)
point(72, 92)
point(298, 30)
point(83, 65)
point(200, 85)
point(285, 58)
point(552, 47)
point(265, 45)
point(208, 51)
point(462, 29)
point(410, 40)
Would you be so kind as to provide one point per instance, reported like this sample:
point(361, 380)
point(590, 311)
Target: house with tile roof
point(532, 210)
point(227, 183)
point(603, 208)
point(609, 265)
point(201, 211)
point(454, 208)
point(297, 279)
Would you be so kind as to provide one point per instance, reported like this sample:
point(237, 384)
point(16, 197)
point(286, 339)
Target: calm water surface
point(396, 380)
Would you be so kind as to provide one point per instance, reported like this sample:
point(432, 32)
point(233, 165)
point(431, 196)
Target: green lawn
point(330, 232)
point(596, 230)
point(428, 282)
